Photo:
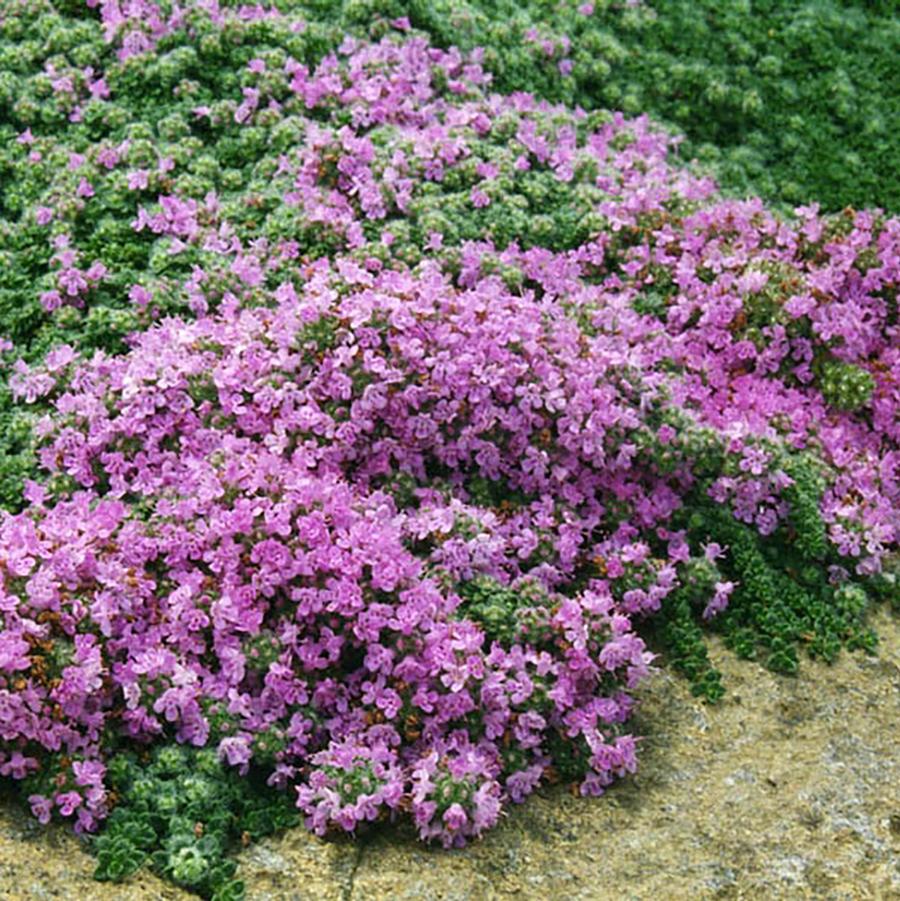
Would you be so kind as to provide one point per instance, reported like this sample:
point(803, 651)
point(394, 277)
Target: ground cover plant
point(795, 102)
point(371, 422)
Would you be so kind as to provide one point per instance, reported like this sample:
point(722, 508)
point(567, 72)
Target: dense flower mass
point(435, 401)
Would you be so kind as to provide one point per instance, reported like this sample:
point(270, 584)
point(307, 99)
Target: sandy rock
point(39, 863)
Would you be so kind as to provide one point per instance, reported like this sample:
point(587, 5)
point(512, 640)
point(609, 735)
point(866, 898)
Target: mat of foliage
point(796, 102)
point(376, 412)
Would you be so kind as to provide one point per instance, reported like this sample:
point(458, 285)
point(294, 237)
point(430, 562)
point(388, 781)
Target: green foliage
point(182, 812)
point(17, 452)
point(886, 584)
point(534, 208)
point(794, 102)
point(783, 599)
point(684, 644)
point(807, 529)
point(571, 759)
point(504, 612)
point(846, 386)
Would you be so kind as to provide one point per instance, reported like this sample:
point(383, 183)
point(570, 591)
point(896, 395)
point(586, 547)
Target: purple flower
point(719, 600)
point(479, 198)
point(68, 802)
point(455, 818)
point(41, 807)
point(236, 750)
point(19, 766)
point(138, 180)
point(139, 295)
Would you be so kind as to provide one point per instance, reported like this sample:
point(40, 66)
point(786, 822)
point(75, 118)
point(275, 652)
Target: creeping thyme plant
point(366, 419)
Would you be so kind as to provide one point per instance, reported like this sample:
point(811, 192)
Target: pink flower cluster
point(72, 283)
point(260, 524)
point(229, 474)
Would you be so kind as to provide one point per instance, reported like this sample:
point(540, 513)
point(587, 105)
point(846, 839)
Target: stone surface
point(789, 788)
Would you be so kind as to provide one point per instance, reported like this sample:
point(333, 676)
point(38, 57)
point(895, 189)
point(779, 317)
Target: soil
point(788, 788)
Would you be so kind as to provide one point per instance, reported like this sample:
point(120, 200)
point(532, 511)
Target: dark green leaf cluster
point(702, 446)
point(845, 385)
point(182, 812)
point(784, 599)
point(503, 611)
point(677, 628)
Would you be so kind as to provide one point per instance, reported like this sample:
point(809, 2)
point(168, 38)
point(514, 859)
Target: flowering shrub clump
point(299, 532)
point(381, 417)
point(246, 578)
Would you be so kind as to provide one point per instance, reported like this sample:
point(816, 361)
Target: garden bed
point(381, 445)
